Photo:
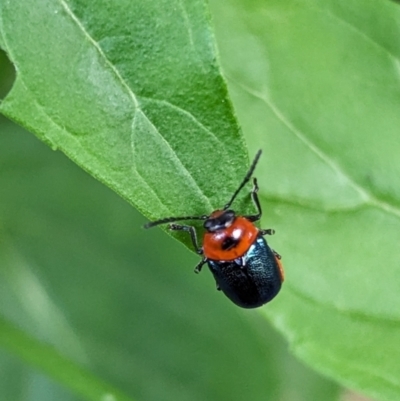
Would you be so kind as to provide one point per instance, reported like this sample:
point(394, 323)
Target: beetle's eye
point(228, 217)
point(207, 224)
point(220, 222)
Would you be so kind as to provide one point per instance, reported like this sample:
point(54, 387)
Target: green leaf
point(131, 92)
point(123, 304)
point(316, 85)
point(47, 359)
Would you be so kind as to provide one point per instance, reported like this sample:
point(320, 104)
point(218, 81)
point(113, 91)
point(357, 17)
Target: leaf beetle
point(245, 268)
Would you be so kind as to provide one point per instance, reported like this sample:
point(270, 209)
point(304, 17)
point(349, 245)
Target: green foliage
point(108, 307)
point(321, 95)
point(131, 91)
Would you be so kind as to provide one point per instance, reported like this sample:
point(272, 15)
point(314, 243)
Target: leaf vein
point(100, 51)
point(357, 30)
point(186, 172)
point(186, 113)
point(137, 171)
point(366, 196)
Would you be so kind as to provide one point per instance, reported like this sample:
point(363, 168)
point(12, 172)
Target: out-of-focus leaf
point(79, 274)
point(50, 361)
point(316, 85)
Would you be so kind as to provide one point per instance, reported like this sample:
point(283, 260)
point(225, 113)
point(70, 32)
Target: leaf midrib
point(135, 101)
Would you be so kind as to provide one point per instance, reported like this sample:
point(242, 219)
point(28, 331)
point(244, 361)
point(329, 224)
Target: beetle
point(245, 268)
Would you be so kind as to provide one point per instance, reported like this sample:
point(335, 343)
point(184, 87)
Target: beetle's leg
point(268, 231)
point(256, 201)
point(193, 236)
point(199, 266)
point(255, 217)
point(280, 267)
point(277, 254)
point(192, 232)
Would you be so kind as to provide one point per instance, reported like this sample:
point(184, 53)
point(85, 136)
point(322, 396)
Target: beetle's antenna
point(245, 180)
point(173, 219)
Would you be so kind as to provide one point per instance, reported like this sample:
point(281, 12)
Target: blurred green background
point(78, 272)
point(91, 300)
